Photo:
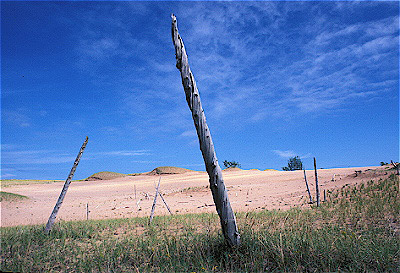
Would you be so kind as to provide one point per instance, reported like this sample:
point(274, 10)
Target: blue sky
point(276, 79)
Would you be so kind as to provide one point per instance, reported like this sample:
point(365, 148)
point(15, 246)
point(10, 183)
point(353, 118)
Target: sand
point(249, 190)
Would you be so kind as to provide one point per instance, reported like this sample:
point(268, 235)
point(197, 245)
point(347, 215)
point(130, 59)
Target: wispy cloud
point(7, 175)
point(326, 66)
point(189, 133)
point(28, 157)
point(34, 157)
point(290, 153)
point(5, 146)
point(249, 62)
point(125, 153)
point(18, 118)
point(285, 154)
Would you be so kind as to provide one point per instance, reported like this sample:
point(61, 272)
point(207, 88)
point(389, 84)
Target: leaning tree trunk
point(60, 200)
point(316, 182)
point(396, 167)
point(308, 188)
point(219, 192)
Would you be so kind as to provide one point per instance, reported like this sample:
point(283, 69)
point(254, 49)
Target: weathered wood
point(87, 211)
point(165, 202)
point(219, 192)
point(135, 193)
point(316, 182)
point(137, 201)
point(60, 200)
point(308, 188)
point(153, 207)
point(396, 166)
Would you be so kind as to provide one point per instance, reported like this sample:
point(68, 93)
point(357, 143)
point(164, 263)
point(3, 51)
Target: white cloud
point(7, 146)
point(125, 153)
point(285, 154)
point(18, 118)
point(33, 157)
point(41, 160)
point(29, 157)
point(189, 133)
point(290, 153)
point(7, 175)
point(249, 66)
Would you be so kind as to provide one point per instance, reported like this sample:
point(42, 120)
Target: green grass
point(357, 230)
point(16, 182)
point(8, 196)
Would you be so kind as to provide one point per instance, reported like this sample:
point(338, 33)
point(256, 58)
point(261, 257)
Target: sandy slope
point(248, 190)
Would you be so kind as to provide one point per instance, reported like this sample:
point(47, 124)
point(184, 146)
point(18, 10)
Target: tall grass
point(5, 183)
point(8, 196)
point(357, 230)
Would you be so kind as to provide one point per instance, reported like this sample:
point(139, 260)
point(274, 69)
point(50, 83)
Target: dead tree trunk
point(396, 167)
point(60, 200)
point(308, 188)
point(154, 202)
point(316, 182)
point(219, 192)
point(165, 202)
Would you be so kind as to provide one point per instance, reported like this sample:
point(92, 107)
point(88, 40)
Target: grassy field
point(5, 183)
point(356, 230)
point(8, 196)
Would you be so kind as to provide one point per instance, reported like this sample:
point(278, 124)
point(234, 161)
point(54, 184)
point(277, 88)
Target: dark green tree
point(294, 163)
point(231, 164)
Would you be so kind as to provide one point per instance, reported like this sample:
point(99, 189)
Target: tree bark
point(396, 167)
point(219, 192)
point(165, 202)
point(154, 202)
point(316, 181)
point(308, 188)
point(60, 200)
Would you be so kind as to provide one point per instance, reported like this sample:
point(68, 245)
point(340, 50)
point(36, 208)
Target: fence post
point(153, 207)
point(53, 215)
point(396, 166)
point(316, 181)
point(162, 198)
point(308, 188)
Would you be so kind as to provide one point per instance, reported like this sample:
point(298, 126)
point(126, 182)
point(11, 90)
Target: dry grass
point(355, 231)
point(105, 176)
point(16, 182)
point(232, 169)
point(168, 170)
point(10, 197)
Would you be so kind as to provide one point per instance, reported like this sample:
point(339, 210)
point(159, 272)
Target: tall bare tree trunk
point(153, 207)
point(308, 188)
point(60, 200)
point(219, 192)
point(316, 181)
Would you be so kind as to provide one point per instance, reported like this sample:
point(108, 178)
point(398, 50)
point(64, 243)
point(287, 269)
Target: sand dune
point(185, 192)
